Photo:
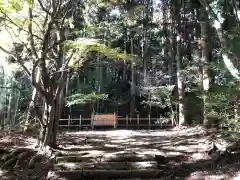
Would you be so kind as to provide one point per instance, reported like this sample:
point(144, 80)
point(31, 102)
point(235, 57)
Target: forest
point(171, 63)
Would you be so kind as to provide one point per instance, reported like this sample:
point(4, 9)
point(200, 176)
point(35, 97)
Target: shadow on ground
point(19, 159)
point(100, 153)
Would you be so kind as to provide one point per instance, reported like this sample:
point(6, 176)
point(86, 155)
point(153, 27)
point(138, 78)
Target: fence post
point(80, 121)
point(115, 120)
point(69, 121)
point(138, 120)
point(149, 121)
point(92, 116)
point(127, 120)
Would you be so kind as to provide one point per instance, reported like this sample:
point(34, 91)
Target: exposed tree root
point(10, 163)
point(35, 160)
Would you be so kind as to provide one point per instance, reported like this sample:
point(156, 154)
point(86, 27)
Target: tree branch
point(62, 83)
point(43, 8)
point(236, 9)
point(16, 35)
point(32, 44)
point(34, 83)
point(17, 60)
point(21, 28)
point(225, 54)
point(37, 110)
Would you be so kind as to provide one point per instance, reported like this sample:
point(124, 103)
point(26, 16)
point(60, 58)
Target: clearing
point(128, 154)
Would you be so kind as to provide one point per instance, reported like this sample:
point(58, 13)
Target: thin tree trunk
point(144, 48)
point(133, 86)
point(34, 97)
point(16, 106)
point(9, 112)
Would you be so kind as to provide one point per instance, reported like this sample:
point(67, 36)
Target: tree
point(205, 60)
point(218, 21)
point(48, 45)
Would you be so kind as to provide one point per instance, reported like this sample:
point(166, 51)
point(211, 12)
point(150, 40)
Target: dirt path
point(126, 154)
point(123, 154)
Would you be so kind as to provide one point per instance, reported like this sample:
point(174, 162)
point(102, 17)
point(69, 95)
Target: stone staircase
point(80, 165)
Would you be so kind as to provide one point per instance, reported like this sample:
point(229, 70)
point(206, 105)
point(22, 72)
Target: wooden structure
point(104, 120)
point(111, 120)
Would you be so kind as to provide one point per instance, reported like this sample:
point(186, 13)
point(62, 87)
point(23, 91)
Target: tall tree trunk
point(48, 133)
point(181, 116)
point(53, 104)
point(204, 63)
point(180, 84)
point(168, 51)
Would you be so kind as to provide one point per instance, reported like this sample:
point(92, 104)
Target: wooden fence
point(122, 122)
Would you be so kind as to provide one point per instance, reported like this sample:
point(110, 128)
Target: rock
point(160, 159)
point(3, 151)
point(58, 154)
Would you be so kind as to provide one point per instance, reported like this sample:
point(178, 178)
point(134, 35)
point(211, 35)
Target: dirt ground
point(121, 150)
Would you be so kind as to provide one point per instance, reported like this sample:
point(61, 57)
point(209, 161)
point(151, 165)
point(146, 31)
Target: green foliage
point(11, 6)
point(160, 96)
point(232, 124)
point(85, 98)
point(220, 106)
point(17, 5)
point(84, 46)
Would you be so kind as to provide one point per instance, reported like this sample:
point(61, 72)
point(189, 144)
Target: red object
point(104, 120)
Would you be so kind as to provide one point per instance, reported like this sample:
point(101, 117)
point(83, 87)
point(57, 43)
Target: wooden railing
point(124, 122)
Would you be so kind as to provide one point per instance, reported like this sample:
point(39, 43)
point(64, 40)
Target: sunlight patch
point(79, 147)
point(237, 176)
point(149, 152)
point(111, 145)
point(2, 172)
point(174, 153)
point(199, 156)
point(68, 165)
point(95, 152)
point(145, 164)
point(204, 175)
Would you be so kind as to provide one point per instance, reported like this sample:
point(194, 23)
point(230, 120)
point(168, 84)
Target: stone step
point(109, 158)
point(73, 159)
point(105, 174)
point(128, 158)
point(106, 165)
